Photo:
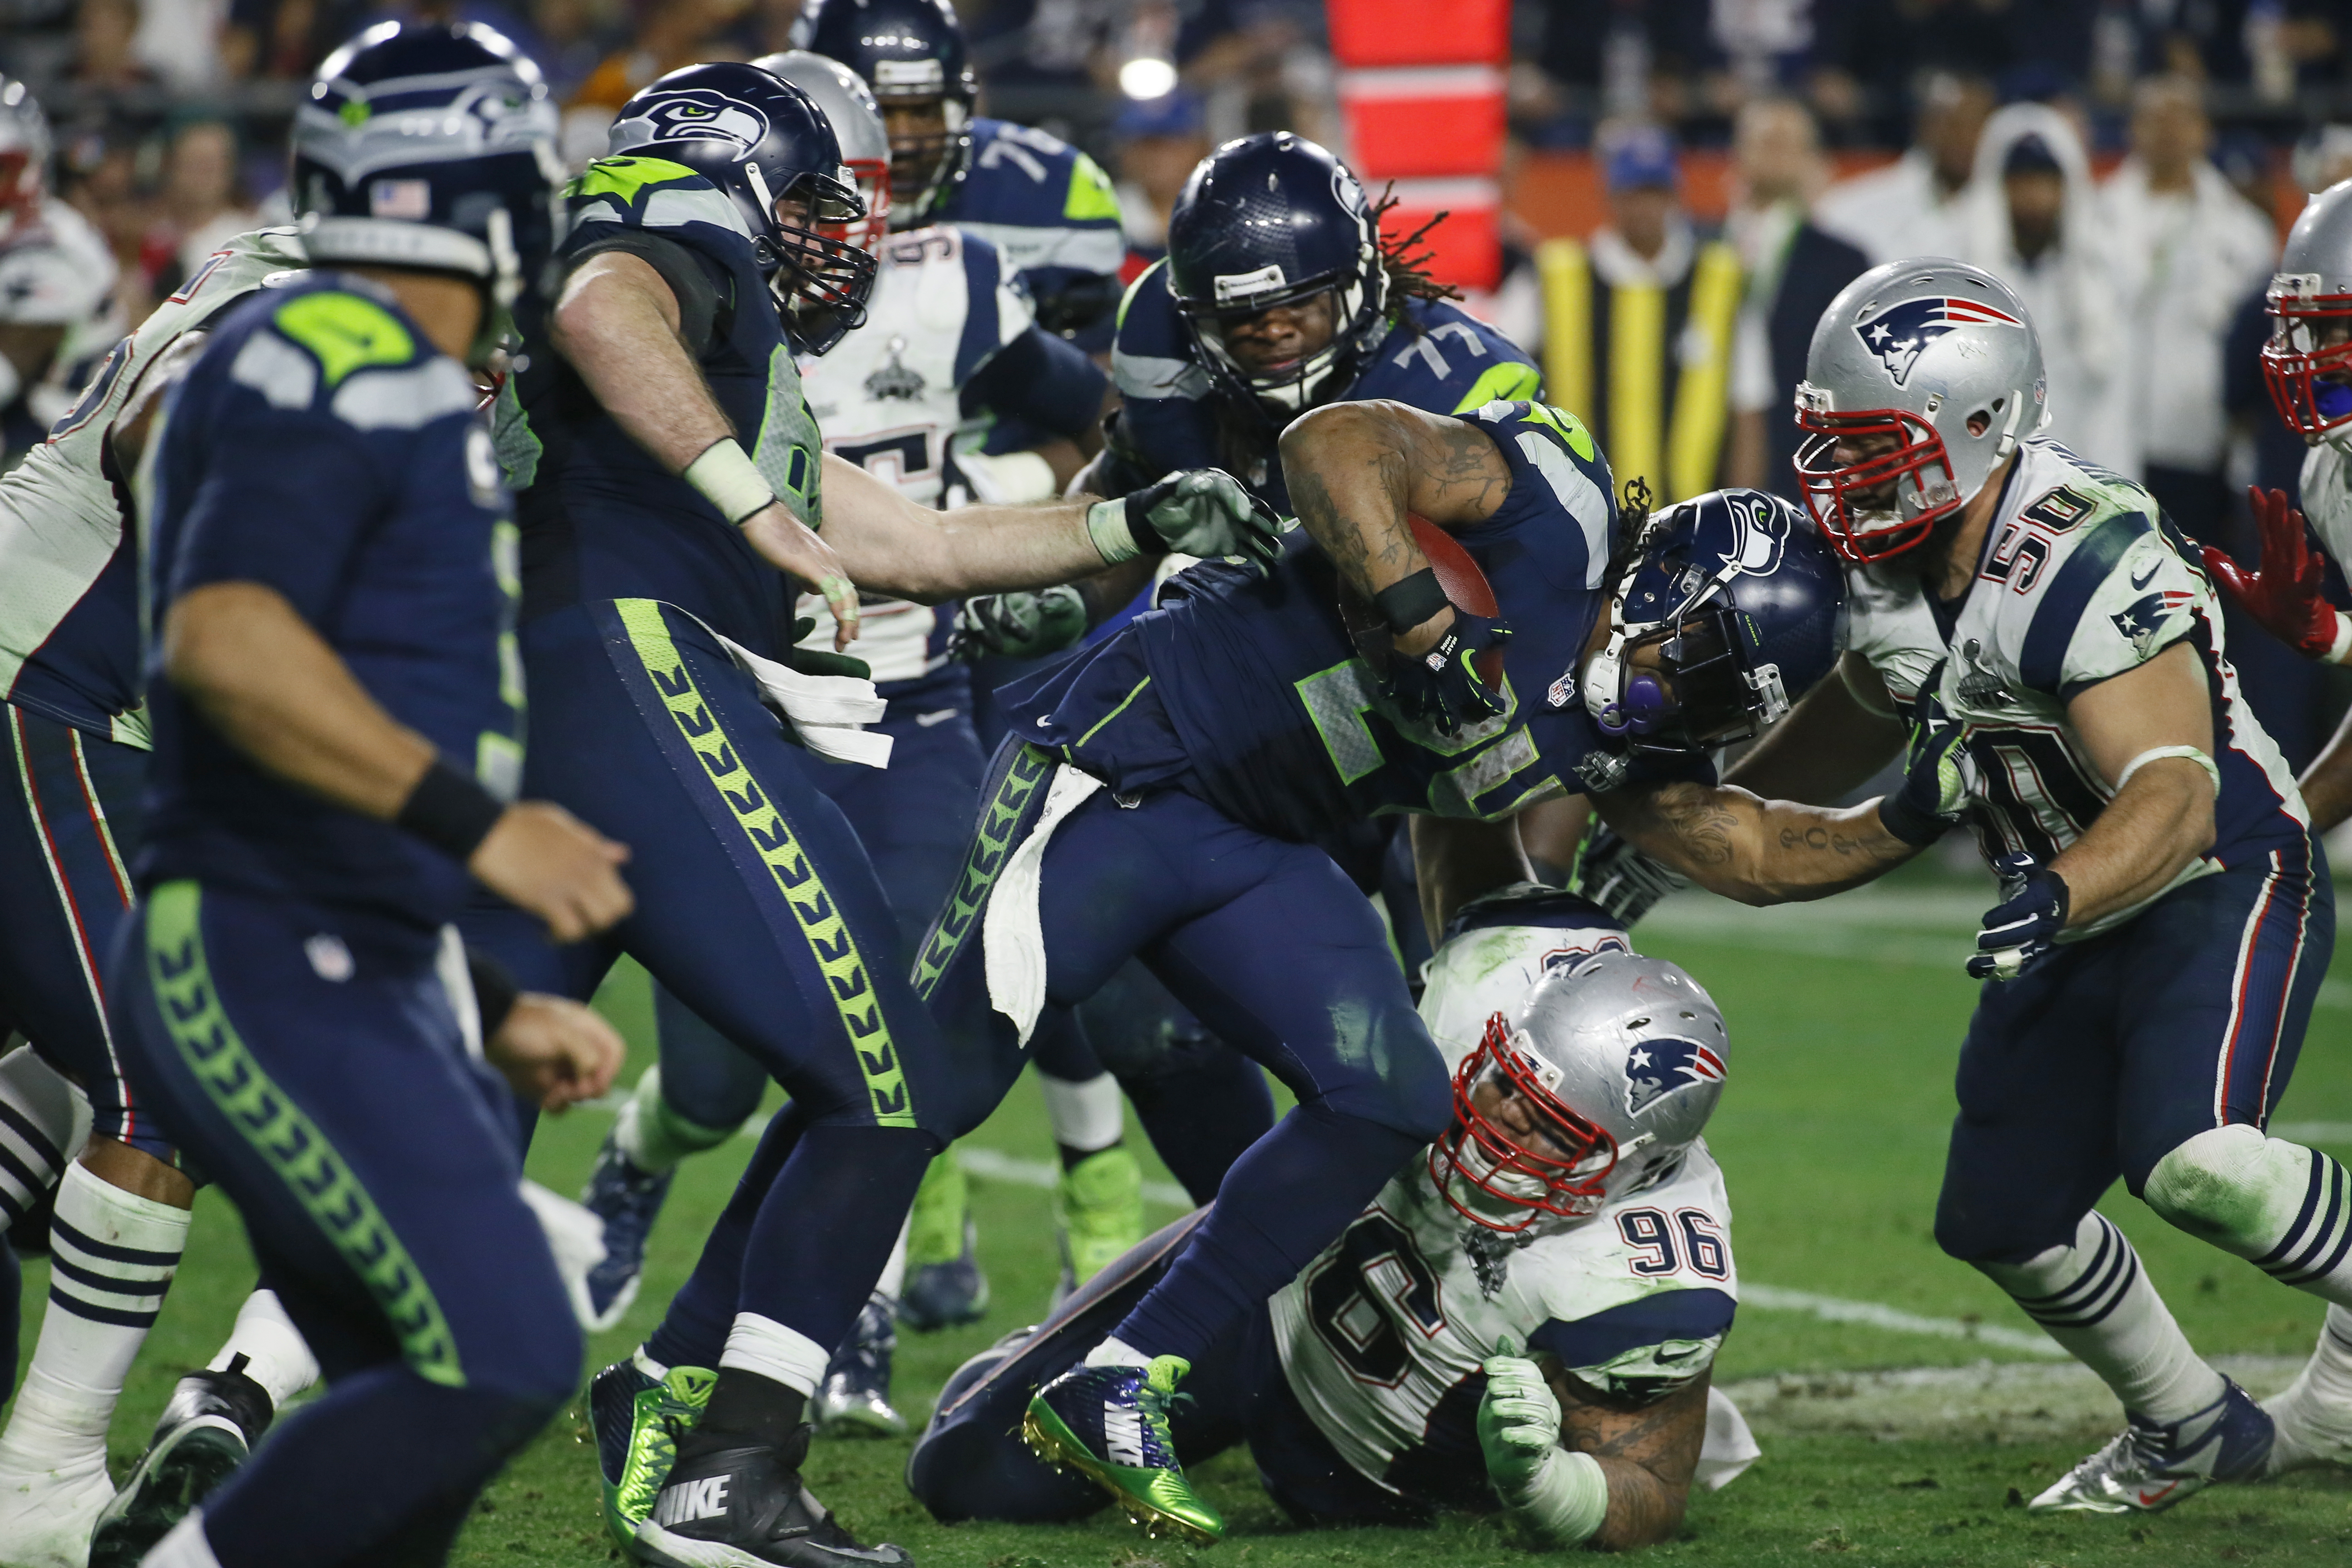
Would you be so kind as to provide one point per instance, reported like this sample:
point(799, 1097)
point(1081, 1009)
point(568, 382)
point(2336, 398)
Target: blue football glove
point(1934, 794)
point(2026, 926)
point(1440, 690)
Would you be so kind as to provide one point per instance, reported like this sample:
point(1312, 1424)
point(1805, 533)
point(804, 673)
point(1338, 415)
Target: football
point(1465, 588)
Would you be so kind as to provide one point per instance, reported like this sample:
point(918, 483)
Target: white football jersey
point(60, 521)
point(887, 398)
point(2328, 497)
point(55, 271)
point(2078, 583)
point(1383, 1337)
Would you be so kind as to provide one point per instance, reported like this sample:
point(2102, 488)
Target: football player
point(2054, 651)
point(948, 334)
point(1527, 1312)
point(1047, 209)
point(56, 282)
point(672, 479)
point(337, 725)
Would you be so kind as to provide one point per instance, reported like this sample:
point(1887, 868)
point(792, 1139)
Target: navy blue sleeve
point(1699, 1314)
point(1042, 380)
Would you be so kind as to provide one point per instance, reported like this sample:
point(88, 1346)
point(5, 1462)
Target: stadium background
point(1904, 1405)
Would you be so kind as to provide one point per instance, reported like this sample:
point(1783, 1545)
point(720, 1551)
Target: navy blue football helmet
point(1727, 608)
point(911, 53)
point(431, 146)
point(1267, 220)
point(766, 143)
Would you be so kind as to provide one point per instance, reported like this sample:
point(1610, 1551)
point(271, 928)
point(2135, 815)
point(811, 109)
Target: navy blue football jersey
point(1435, 358)
point(1246, 690)
point(602, 519)
point(321, 447)
point(1050, 211)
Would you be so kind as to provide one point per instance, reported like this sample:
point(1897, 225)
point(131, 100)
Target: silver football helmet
point(849, 104)
point(1923, 377)
point(1595, 1088)
point(23, 154)
point(2308, 358)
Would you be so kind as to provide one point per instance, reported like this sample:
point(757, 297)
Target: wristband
point(1566, 1502)
point(449, 811)
point(1409, 601)
point(494, 989)
point(2155, 754)
point(729, 480)
point(1113, 540)
point(2340, 650)
point(1905, 821)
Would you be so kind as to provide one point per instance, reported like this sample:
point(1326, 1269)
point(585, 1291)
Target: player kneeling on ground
point(1528, 1313)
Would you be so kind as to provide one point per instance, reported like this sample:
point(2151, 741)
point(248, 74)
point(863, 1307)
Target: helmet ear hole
point(1981, 420)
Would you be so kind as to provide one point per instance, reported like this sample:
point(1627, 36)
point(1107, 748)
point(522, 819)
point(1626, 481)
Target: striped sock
point(2093, 1299)
point(111, 1257)
point(2311, 1255)
point(2281, 1207)
point(40, 1126)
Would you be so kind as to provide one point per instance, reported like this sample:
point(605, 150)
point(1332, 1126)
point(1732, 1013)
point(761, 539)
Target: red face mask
point(1917, 469)
point(1565, 1177)
point(2310, 378)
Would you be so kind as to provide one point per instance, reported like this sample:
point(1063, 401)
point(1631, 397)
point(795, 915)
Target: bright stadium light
point(1147, 76)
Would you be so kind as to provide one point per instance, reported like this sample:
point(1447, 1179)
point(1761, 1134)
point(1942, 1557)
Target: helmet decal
point(1655, 1069)
point(696, 114)
point(1757, 546)
point(1899, 333)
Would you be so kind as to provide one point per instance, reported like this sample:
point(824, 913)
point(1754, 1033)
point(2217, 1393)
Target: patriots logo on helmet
point(2145, 616)
point(1899, 333)
point(693, 114)
point(1655, 1069)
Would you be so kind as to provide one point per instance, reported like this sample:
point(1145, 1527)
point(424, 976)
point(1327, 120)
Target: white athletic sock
point(111, 1257)
point(2094, 1299)
point(654, 1136)
point(765, 1346)
point(1115, 1352)
point(894, 1273)
point(1085, 1116)
point(276, 1355)
point(646, 1365)
point(2314, 1413)
point(2281, 1207)
point(43, 1121)
point(185, 1547)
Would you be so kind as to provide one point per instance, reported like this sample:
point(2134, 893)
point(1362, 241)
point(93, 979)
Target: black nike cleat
point(207, 1428)
point(747, 1508)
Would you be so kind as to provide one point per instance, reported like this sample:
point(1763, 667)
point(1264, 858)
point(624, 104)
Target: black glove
point(1934, 794)
point(1440, 688)
point(1029, 624)
point(1621, 878)
point(2022, 928)
point(819, 660)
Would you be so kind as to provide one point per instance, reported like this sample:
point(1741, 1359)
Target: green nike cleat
point(637, 1423)
point(1097, 1214)
point(1109, 1424)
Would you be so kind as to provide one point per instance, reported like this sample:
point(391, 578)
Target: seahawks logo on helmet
point(1901, 332)
point(1655, 1069)
point(693, 114)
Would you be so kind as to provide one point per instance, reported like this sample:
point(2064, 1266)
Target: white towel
point(1012, 936)
point(827, 712)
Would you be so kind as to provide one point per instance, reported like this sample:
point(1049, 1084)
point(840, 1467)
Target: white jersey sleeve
point(2327, 499)
point(55, 271)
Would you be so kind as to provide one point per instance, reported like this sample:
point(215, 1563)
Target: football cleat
point(638, 1421)
point(1097, 1214)
point(1109, 1424)
point(628, 1201)
point(208, 1427)
point(854, 1400)
point(747, 1508)
point(944, 1285)
point(2152, 1465)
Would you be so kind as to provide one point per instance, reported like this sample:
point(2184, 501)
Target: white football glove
point(1562, 1497)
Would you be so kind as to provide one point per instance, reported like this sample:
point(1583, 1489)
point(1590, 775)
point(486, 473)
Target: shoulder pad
point(376, 372)
point(650, 193)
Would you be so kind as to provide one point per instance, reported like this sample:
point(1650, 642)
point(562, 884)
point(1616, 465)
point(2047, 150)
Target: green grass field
point(1844, 1019)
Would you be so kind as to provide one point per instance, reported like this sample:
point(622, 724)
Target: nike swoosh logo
point(1662, 1358)
point(2142, 579)
point(942, 717)
point(2150, 1498)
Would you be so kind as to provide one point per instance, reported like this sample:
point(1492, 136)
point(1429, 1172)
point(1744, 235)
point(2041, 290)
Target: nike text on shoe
point(208, 1427)
point(854, 1400)
point(628, 1201)
point(746, 1508)
point(1109, 1424)
point(637, 1423)
point(2150, 1465)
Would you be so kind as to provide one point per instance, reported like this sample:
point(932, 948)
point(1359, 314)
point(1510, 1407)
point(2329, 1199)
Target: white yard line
point(1878, 1315)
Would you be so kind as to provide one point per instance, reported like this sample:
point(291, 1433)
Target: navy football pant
point(69, 822)
point(297, 1051)
point(971, 1462)
point(757, 907)
point(914, 819)
point(2110, 1053)
point(1274, 949)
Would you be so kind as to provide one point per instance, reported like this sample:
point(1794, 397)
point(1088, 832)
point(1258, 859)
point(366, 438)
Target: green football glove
point(1027, 623)
point(1934, 793)
point(1205, 512)
point(820, 660)
point(1518, 1424)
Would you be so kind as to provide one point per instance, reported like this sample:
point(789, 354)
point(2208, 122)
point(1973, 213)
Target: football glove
point(1205, 512)
point(2284, 592)
point(1440, 690)
point(2024, 926)
point(1934, 793)
point(1621, 878)
point(1562, 1497)
point(818, 660)
point(1029, 624)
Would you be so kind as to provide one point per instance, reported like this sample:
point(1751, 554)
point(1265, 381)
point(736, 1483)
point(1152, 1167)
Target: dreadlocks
point(1405, 262)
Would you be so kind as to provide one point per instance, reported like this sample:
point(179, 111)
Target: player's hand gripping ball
point(1519, 1423)
point(2026, 925)
point(1459, 679)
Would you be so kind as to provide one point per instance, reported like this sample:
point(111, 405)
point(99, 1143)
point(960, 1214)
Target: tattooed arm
point(1755, 850)
point(1648, 1453)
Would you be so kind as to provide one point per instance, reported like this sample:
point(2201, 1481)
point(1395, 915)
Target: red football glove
point(2284, 592)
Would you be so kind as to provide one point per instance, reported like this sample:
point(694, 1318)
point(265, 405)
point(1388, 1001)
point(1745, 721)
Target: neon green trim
point(1090, 197)
point(287, 1140)
point(1567, 426)
point(624, 178)
point(345, 332)
point(1506, 383)
point(1115, 713)
point(1128, 298)
point(991, 843)
point(771, 841)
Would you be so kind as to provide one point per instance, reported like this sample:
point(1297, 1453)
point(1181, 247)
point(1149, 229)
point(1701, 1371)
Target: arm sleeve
point(1044, 379)
point(1643, 1348)
point(686, 272)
